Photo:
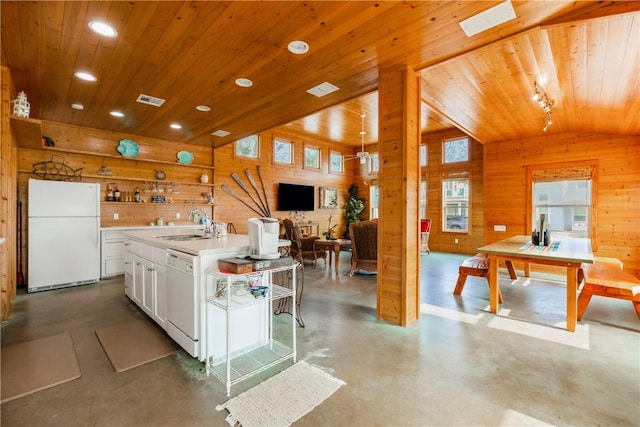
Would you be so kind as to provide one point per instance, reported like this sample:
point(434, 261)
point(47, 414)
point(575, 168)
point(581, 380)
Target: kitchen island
point(167, 279)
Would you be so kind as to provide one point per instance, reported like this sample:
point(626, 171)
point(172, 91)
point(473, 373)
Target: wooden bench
point(606, 278)
point(478, 266)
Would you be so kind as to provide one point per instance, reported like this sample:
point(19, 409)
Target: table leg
point(493, 284)
point(572, 302)
point(336, 250)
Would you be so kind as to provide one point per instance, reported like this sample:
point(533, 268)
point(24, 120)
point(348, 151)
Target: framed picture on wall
point(248, 147)
point(336, 164)
point(311, 157)
point(282, 151)
point(328, 198)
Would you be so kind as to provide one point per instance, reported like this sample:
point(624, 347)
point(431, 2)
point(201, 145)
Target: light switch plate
point(499, 228)
point(116, 216)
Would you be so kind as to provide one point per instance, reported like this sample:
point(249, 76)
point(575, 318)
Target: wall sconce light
point(543, 100)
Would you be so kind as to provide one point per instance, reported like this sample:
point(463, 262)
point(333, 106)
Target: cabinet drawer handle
point(149, 269)
point(138, 263)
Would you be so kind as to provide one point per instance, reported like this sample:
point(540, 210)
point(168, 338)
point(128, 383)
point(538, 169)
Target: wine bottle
point(136, 195)
point(116, 194)
point(109, 193)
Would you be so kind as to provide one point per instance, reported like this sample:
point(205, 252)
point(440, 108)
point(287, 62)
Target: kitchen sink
point(183, 237)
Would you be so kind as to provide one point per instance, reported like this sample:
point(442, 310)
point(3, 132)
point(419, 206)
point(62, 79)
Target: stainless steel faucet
point(205, 220)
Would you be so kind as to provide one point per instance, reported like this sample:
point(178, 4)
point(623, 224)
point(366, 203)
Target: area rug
point(283, 398)
point(131, 344)
point(37, 365)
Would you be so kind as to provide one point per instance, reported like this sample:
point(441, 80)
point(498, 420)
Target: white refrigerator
point(63, 234)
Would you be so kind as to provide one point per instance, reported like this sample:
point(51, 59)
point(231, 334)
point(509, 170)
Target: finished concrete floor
point(458, 365)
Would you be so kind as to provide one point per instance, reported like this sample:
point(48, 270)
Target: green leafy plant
point(353, 207)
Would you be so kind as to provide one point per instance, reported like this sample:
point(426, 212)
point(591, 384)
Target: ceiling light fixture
point(77, 106)
point(116, 114)
point(242, 82)
point(362, 155)
point(203, 108)
point(298, 47)
point(103, 29)
point(175, 126)
point(82, 75)
point(545, 102)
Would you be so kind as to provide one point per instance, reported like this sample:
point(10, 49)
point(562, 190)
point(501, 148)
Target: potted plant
point(353, 207)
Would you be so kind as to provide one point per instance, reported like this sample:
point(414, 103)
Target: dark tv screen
point(295, 197)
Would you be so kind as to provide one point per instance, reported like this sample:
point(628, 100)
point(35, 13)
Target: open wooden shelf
point(27, 132)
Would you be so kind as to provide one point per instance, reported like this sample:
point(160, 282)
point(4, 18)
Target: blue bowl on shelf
point(259, 291)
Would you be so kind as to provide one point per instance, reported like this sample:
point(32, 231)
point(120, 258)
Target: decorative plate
point(128, 148)
point(185, 157)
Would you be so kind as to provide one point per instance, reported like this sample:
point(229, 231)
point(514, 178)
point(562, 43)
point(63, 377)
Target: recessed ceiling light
point(242, 82)
point(103, 29)
point(116, 114)
point(82, 75)
point(220, 133)
point(77, 106)
point(203, 108)
point(298, 47)
point(175, 126)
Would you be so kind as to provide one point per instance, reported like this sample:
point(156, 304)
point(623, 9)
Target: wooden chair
point(302, 247)
point(364, 246)
point(478, 266)
point(607, 278)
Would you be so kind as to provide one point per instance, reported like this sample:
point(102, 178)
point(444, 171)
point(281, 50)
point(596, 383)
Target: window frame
point(450, 140)
point(253, 140)
point(443, 216)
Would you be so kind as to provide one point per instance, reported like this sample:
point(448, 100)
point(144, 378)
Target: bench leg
point(462, 279)
point(583, 301)
point(512, 270)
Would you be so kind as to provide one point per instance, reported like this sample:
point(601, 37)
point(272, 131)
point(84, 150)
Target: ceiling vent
point(150, 100)
point(490, 18)
point(220, 133)
point(322, 89)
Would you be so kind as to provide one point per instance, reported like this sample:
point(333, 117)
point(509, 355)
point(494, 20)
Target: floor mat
point(37, 365)
point(132, 344)
point(283, 398)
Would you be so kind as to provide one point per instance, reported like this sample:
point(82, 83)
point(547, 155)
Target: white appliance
point(263, 238)
point(64, 234)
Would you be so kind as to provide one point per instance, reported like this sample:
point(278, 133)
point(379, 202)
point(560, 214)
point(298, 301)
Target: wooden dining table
point(569, 252)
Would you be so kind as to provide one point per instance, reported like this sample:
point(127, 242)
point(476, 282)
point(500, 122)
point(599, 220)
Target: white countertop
point(150, 227)
point(194, 247)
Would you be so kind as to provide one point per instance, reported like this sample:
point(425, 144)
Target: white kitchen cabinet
point(113, 249)
point(145, 279)
point(232, 353)
point(112, 253)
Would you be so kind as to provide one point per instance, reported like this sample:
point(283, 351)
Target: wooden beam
point(398, 232)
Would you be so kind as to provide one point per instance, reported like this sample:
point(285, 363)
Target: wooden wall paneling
point(8, 201)
point(434, 172)
point(229, 209)
point(618, 204)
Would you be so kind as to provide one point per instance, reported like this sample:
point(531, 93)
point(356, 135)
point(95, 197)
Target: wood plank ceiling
point(585, 54)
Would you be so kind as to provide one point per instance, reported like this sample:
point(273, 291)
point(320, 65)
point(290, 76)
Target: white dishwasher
point(183, 311)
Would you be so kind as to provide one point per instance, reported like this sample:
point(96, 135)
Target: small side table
point(334, 247)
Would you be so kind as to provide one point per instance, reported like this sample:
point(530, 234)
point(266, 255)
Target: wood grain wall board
point(612, 212)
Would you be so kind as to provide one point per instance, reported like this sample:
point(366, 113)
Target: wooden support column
point(399, 180)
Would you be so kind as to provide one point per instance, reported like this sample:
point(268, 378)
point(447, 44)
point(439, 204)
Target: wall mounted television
point(295, 197)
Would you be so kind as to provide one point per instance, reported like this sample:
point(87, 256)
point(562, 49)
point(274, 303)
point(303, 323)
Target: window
point(455, 205)
point(282, 151)
point(311, 157)
point(565, 193)
point(423, 199)
point(374, 204)
point(374, 165)
point(423, 155)
point(336, 162)
point(566, 204)
point(248, 147)
point(455, 150)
